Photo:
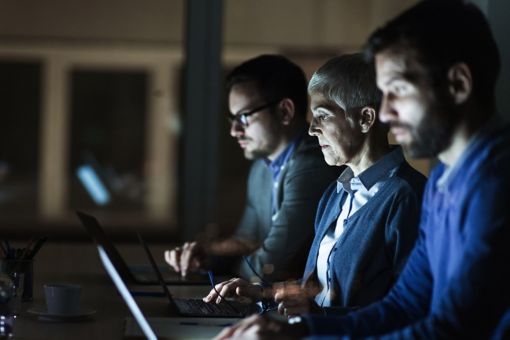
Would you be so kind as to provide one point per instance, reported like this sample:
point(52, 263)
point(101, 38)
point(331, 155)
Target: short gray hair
point(347, 80)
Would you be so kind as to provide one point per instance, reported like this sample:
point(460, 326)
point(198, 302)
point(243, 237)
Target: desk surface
point(79, 263)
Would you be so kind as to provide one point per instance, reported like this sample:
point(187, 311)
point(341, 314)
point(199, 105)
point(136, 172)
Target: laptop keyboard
point(199, 307)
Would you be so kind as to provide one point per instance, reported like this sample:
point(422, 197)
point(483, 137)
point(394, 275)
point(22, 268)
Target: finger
point(288, 292)
point(281, 308)
point(191, 261)
point(211, 296)
point(249, 291)
point(232, 330)
point(226, 290)
point(252, 332)
point(225, 333)
point(185, 258)
point(243, 326)
point(172, 258)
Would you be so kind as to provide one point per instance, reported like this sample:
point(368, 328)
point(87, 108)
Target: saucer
point(43, 314)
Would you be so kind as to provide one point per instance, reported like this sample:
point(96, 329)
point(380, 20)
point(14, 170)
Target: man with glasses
point(267, 99)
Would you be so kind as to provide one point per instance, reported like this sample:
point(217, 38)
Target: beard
point(434, 133)
point(262, 150)
point(264, 145)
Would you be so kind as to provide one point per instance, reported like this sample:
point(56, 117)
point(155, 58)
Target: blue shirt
point(456, 283)
point(275, 168)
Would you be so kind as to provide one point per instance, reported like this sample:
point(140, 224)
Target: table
point(79, 263)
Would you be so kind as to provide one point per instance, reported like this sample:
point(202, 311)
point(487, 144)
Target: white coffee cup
point(62, 298)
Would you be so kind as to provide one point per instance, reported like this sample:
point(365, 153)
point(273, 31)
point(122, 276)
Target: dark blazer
point(285, 239)
point(376, 241)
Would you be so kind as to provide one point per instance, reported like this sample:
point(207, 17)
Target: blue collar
point(279, 163)
point(380, 170)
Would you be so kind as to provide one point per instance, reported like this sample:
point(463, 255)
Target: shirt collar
point(282, 159)
point(380, 170)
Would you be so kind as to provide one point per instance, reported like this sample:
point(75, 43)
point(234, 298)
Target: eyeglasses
point(242, 118)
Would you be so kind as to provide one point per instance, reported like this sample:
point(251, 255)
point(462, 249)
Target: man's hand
point(187, 258)
point(293, 299)
point(263, 327)
point(233, 287)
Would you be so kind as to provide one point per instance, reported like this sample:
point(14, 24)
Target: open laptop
point(158, 327)
point(142, 276)
point(197, 307)
point(126, 295)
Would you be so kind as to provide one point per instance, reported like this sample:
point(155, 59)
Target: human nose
point(313, 130)
point(236, 128)
point(386, 112)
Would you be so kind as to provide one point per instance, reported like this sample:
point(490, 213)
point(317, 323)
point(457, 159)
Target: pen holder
point(22, 274)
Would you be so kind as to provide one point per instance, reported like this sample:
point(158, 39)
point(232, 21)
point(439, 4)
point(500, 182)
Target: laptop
point(197, 307)
point(152, 328)
point(138, 276)
point(126, 295)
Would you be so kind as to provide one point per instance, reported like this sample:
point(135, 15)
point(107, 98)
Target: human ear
point(460, 82)
point(287, 111)
point(367, 118)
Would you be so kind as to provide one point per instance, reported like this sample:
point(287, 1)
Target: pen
point(36, 248)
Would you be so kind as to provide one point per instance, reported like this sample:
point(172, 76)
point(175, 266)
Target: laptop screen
point(126, 295)
point(93, 184)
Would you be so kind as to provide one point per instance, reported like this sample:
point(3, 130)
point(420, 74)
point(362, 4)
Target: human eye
point(400, 88)
point(322, 115)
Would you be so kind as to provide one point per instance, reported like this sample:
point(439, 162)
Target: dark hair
point(275, 77)
point(443, 33)
point(348, 81)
